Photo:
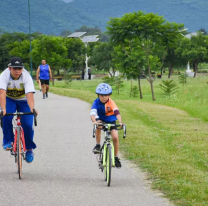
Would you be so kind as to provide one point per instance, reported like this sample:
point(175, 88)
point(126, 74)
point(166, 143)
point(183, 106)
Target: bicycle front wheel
point(109, 165)
point(19, 154)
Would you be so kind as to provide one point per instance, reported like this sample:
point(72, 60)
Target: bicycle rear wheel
point(19, 154)
point(108, 165)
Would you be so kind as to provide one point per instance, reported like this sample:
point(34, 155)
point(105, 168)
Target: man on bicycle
point(16, 94)
point(107, 111)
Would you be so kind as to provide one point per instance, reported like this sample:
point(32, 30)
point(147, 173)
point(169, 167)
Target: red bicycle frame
point(22, 137)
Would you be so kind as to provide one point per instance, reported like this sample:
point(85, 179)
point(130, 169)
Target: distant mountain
point(67, 1)
point(55, 16)
point(193, 13)
point(47, 16)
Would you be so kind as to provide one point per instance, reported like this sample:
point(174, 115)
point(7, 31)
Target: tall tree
point(53, 50)
point(76, 51)
point(150, 30)
point(102, 57)
point(194, 50)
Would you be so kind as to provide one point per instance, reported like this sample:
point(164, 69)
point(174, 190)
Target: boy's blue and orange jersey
point(105, 111)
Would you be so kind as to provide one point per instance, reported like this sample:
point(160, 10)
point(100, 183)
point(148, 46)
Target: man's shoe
point(40, 90)
point(46, 94)
point(96, 149)
point(117, 162)
point(7, 146)
point(29, 156)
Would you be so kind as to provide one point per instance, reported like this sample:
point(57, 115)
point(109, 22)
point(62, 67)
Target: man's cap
point(15, 62)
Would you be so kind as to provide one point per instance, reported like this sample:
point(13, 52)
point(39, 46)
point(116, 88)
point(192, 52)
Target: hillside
point(193, 13)
point(47, 16)
point(55, 16)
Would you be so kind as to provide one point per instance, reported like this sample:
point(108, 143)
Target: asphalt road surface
point(64, 171)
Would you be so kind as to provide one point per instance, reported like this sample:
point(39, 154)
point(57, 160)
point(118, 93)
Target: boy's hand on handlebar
point(96, 122)
point(121, 124)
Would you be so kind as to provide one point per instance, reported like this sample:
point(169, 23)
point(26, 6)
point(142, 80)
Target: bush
point(169, 87)
point(68, 79)
point(135, 91)
point(183, 78)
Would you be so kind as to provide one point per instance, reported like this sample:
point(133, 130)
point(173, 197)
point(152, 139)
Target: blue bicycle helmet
point(103, 88)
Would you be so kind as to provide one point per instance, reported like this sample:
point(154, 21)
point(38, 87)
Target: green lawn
point(168, 138)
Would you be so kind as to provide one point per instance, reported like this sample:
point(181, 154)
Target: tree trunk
point(152, 89)
point(110, 73)
point(170, 70)
point(131, 88)
point(58, 73)
point(52, 76)
point(151, 83)
point(195, 69)
point(140, 89)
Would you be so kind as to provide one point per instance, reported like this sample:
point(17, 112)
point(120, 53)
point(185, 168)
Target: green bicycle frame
point(107, 142)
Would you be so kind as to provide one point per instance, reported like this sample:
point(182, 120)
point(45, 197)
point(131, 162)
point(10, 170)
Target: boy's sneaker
point(29, 156)
point(46, 94)
point(7, 146)
point(117, 162)
point(96, 149)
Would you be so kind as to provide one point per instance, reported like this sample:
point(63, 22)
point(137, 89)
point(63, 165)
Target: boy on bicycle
point(107, 111)
point(16, 94)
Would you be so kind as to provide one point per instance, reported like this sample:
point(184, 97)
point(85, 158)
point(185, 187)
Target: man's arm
point(37, 74)
point(3, 100)
point(50, 73)
point(30, 101)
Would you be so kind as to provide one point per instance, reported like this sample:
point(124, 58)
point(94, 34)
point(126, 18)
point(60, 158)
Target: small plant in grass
point(116, 82)
point(135, 91)
point(169, 87)
point(68, 80)
point(183, 79)
point(109, 80)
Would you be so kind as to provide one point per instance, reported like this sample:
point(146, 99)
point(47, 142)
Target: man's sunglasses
point(17, 68)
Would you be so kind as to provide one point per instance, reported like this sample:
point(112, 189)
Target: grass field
point(168, 138)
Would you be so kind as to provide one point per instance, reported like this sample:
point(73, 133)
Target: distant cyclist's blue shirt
point(44, 72)
point(106, 111)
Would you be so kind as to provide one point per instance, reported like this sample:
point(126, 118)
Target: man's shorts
point(44, 81)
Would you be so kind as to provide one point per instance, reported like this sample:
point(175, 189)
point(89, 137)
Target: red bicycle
point(18, 146)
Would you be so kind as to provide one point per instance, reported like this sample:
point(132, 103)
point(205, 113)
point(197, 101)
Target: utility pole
point(31, 69)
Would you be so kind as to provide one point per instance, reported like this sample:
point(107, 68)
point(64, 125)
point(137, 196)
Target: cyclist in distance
point(107, 111)
point(44, 73)
point(16, 94)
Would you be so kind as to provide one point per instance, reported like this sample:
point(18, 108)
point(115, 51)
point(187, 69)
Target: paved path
point(65, 172)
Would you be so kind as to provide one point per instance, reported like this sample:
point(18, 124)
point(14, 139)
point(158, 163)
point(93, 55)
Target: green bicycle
point(106, 157)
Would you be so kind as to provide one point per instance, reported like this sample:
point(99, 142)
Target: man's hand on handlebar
point(36, 111)
point(4, 111)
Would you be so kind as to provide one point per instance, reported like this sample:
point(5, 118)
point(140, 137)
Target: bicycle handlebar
point(107, 126)
point(19, 114)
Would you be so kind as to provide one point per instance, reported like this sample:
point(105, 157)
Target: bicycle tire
point(105, 169)
point(19, 154)
point(109, 165)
